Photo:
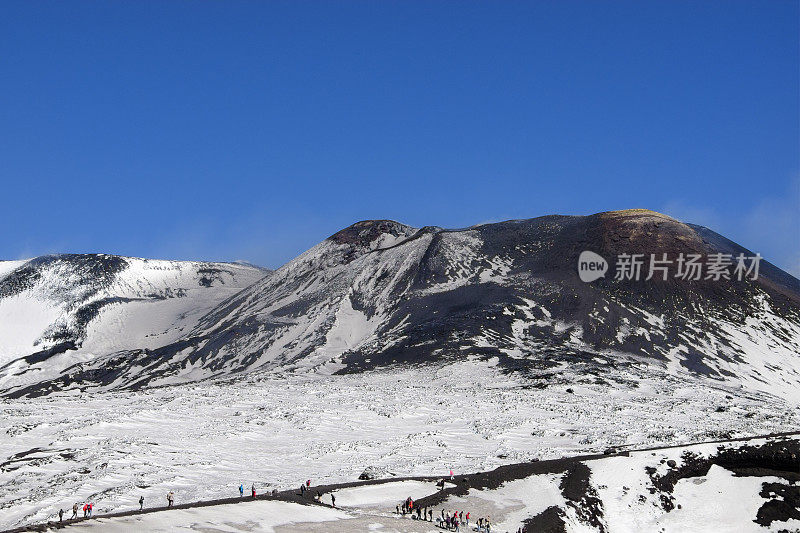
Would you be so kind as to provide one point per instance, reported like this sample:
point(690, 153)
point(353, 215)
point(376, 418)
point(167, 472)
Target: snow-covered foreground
point(619, 494)
point(202, 440)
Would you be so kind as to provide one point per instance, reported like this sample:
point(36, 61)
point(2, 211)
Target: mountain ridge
point(380, 292)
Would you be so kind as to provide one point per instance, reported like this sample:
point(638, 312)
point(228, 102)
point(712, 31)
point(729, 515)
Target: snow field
point(202, 440)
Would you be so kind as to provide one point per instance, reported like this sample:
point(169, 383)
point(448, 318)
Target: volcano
point(381, 293)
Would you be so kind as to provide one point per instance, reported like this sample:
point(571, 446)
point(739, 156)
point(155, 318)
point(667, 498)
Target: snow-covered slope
point(381, 293)
point(59, 313)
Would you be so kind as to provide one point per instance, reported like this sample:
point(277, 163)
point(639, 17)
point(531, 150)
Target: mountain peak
point(367, 231)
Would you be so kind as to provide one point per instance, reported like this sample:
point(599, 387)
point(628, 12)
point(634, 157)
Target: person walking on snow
point(253, 490)
point(141, 503)
point(75, 510)
point(90, 509)
point(61, 515)
point(241, 490)
point(170, 498)
point(85, 509)
point(333, 500)
point(451, 475)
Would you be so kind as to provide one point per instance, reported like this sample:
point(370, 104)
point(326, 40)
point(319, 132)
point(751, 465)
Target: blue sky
point(253, 130)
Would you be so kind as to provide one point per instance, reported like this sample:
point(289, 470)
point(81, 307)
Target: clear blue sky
point(253, 130)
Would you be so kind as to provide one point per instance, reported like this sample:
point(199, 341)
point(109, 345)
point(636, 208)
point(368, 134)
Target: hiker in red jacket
point(253, 490)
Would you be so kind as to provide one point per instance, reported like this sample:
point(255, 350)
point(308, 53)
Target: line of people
point(87, 511)
point(451, 522)
point(88, 507)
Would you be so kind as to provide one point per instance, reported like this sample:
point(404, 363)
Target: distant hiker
point(85, 509)
point(308, 484)
point(318, 497)
point(333, 500)
point(74, 510)
point(274, 492)
point(451, 474)
point(90, 509)
point(430, 515)
point(397, 509)
point(253, 490)
point(302, 489)
point(61, 515)
point(241, 490)
point(170, 498)
point(466, 522)
point(141, 503)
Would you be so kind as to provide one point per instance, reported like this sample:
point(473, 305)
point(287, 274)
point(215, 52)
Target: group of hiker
point(459, 519)
point(450, 522)
point(87, 511)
